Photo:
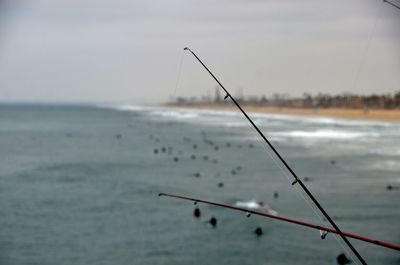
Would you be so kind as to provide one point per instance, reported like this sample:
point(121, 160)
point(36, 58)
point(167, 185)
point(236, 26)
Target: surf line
point(248, 212)
point(297, 180)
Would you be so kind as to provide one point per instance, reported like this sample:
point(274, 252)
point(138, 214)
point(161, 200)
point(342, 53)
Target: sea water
point(80, 184)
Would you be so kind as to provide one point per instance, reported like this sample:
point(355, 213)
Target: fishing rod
point(391, 3)
point(288, 220)
point(297, 180)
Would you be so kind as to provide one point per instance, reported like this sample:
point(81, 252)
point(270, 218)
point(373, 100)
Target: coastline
point(357, 114)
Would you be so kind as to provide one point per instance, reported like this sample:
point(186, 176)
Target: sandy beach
point(372, 114)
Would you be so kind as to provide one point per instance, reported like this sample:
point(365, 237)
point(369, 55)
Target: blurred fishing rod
point(325, 230)
point(392, 4)
point(297, 180)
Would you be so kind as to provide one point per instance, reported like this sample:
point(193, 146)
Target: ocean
point(79, 185)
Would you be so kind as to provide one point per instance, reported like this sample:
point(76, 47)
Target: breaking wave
point(279, 126)
point(386, 165)
point(325, 134)
point(174, 114)
point(253, 205)
point(129, 108)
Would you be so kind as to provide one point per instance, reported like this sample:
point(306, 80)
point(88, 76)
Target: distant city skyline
point(130, 51)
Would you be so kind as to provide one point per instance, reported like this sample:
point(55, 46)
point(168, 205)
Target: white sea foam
point(391, 150)
point(386, 165)
point(322, 120)
point(174, 114)
point(236, 124)
point(253, 205)
point(325, 134)
point(248, 204)
point(129, 108)
point(236, 119)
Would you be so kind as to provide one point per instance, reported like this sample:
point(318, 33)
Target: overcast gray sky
point(129, 51)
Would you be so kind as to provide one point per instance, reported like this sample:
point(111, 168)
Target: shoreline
point(357, 114)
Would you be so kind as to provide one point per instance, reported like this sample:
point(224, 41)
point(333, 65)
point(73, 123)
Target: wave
point(236, 124)
point(253, 205)
point(124, 107)
point(155, 111)
point(386, 165)
point(174, 114)
point(322, 120)
point(248, 204)
point(391, 150)
point(130, 108)
point(325, 134)
point(236, 118)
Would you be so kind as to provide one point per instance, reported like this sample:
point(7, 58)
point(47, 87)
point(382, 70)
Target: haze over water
point(80, 184)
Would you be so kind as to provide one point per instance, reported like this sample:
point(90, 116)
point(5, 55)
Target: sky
point(123, 51)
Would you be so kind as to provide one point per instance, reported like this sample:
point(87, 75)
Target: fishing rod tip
point(161, 194)
point(186, 49)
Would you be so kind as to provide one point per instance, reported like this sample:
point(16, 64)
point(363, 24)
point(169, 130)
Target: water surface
point(79, 185)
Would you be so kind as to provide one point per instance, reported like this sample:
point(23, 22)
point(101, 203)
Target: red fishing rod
point(288, 220)
point(297, 180)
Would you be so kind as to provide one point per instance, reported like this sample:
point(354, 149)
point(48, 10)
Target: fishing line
point(279, 165)
point(296, 178)
point(178, 78)
point(365, 52)
point(267, 151)
point(300, 192)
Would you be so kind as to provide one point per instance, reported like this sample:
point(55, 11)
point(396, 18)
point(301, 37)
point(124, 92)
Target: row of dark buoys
point(194, 156)
point(233, 171)
point(168, 150)
point(197, 214)
point(341, 259)
point(163, 150)
point(195, 146)
point(213, 222)
point(227, 144)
